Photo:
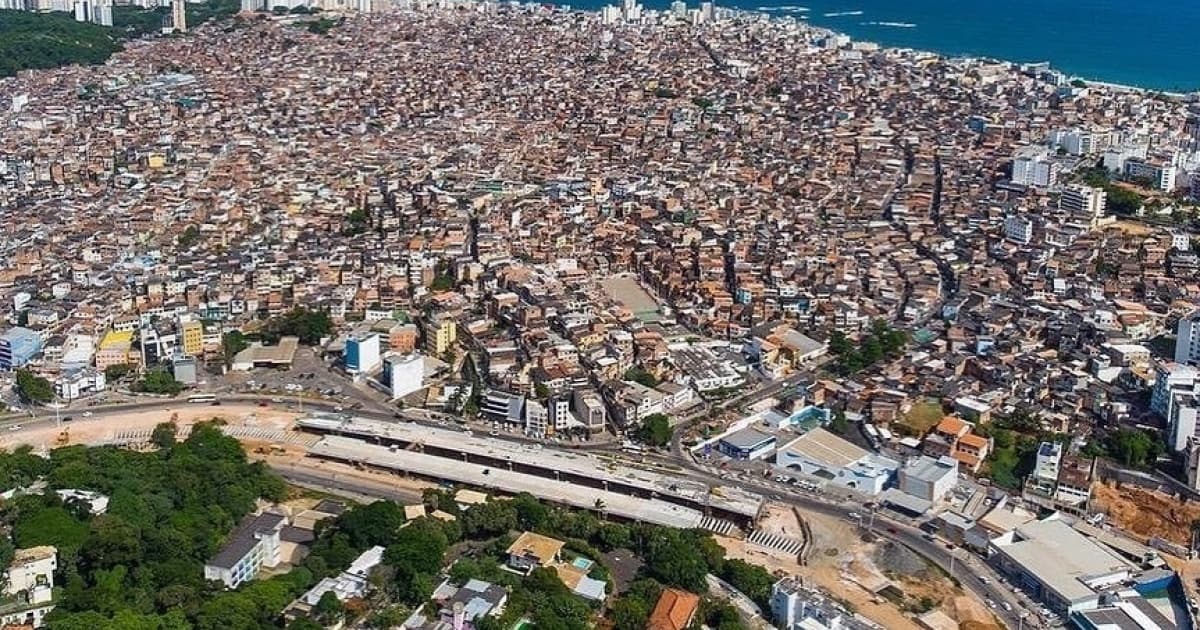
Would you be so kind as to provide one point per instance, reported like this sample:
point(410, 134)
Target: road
point(340, 483)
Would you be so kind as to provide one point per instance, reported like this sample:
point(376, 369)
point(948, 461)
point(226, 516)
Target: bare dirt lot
point(1145, 513)
point(849, 568)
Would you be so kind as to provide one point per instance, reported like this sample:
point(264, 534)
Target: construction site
point(881, 582)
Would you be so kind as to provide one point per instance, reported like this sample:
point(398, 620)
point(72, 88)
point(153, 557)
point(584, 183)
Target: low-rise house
point(347, 585)
point(29, 587)
point(531, 551)
point(675, 610)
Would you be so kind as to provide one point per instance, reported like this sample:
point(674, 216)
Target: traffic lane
point(335, 482)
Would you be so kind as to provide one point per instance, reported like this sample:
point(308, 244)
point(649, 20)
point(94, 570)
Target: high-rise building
point(361, 354)
point(250, 6)
point(179, 15)
point(403, 374)
point(1084, 202)
point(1187, 341)
point(1032, 166)
point(1018, 229)
point(193, 338)
point(102, 12)
point(18, 346)
point(1181, 424)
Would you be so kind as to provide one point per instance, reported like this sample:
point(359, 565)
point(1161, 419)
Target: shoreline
point(777, 14)
point(1121, 87)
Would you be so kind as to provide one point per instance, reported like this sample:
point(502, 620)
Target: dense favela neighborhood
point(495, 316)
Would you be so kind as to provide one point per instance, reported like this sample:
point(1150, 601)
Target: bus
point(202, 398)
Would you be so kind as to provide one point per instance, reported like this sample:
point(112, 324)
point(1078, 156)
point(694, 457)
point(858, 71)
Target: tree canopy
point(655, 430)
point(33, 388)
point(47, 40)
point(309, 325)
point(140, 565)
point(881, 342)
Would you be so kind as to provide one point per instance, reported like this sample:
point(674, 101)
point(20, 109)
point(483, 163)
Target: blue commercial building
point(18, 347)
point(746, 444)
point(362, 354)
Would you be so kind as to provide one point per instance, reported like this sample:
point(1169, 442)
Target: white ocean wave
point(891, 24)
point(787, 8)
point(843, 13)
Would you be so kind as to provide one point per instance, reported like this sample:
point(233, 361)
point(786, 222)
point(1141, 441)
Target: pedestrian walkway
point(774, 541)
point(136, 437)
point(718, 526)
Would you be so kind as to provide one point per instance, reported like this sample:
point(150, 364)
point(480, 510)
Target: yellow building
point(440, 335)
point(116, 348)
point(192, 334)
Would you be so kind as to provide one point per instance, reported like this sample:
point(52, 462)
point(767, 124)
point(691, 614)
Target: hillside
point(48, 40)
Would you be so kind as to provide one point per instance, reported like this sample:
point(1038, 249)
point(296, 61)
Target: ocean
point(1153, 44)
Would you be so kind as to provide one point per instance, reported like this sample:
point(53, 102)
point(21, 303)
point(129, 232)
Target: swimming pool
point(582, 563)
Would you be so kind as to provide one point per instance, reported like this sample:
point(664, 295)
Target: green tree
point(655, 430)
point(1135, 448)
point(308, 325)
point(531, 514)
point(1123, 201)
point(838, 423)
point(640, 375)
point(33, 388)
point(752, 580)
point(117, 372)
point(376, 523)
point(232, 343)
point(49, 40)
point(673, 560)
point(329, 608)
point(163, 435)
point(304, 623)
point(190, 236)
point(50, 526)
point(158, 381)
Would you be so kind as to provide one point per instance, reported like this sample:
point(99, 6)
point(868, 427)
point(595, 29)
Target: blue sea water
point(1148, 43)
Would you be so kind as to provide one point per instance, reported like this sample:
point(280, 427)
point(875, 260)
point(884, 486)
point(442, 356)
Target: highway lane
point(340, 483)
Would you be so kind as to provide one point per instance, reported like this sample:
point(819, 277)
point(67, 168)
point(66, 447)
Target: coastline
point(795, 14)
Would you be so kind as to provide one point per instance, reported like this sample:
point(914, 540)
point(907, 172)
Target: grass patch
point(922, 417)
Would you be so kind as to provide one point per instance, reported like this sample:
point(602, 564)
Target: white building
point(1181, 421)
point(253, 545)
point(1181, 241)
point(1032, 166)
point(1081, 141)
point(29, 587)
point(822, 454)
point(1018, 229)
point(1161, 175)
point(362, 355)
point(403, 374)
point(349, 584)
point(537, 418)
point(1170, 381)
point(1067, 569)
point(1044, 477)
point(1187, 340)
point(795, 607)
point(79, 383)
point(927, 478)
point(1084, 202)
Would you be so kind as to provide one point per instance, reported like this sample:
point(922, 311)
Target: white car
point(15, 427)
point(86, 414)
point(855, 515)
